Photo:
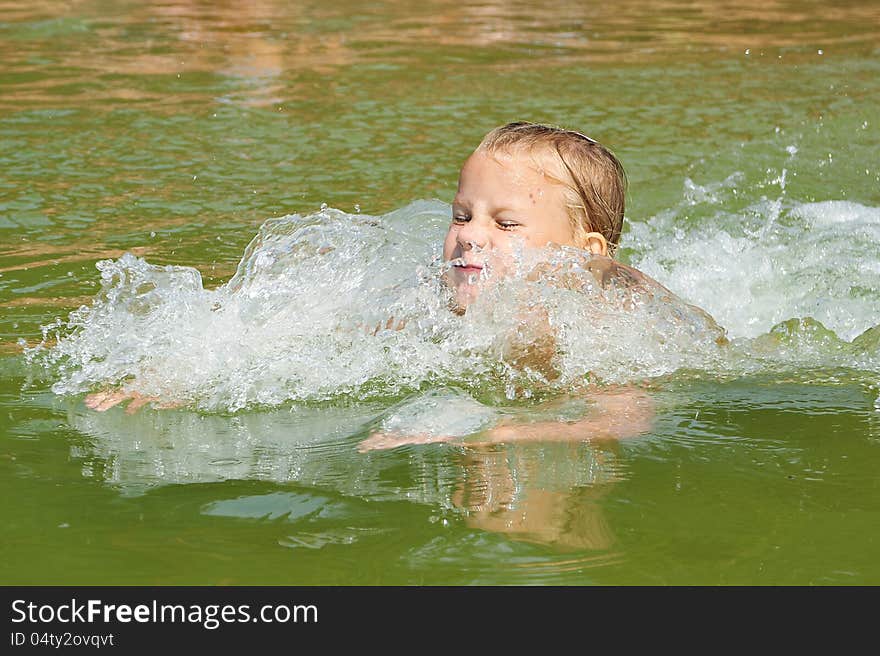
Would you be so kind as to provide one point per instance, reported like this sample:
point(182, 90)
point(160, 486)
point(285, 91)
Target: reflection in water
point(544, 493)
point(538, 493)
point(259, 41)
point(135, 453)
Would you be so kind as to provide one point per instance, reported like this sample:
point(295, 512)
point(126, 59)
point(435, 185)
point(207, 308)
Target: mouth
point(467, 268)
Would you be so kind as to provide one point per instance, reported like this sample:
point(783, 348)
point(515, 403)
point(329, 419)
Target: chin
point(462, 296)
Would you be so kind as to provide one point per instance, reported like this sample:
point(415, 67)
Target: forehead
point(514, 170)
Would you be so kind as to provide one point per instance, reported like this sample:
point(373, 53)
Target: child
point(527, 188)
point(531, 186)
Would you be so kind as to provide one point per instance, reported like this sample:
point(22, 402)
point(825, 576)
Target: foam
point(771, 262)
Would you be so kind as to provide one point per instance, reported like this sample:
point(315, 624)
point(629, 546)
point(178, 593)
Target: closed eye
point(460, 218)
point(507, 225)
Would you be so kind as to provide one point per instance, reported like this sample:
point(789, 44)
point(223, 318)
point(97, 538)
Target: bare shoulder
point(611, 274)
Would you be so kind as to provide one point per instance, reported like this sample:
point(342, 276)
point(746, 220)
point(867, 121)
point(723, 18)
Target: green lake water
point(750, 133)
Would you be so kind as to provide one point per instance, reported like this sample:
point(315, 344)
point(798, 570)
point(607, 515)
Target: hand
point(104, 400)
point(389, 325)
point(378, 441)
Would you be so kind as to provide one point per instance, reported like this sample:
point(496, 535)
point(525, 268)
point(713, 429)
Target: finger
point(95, 399)
point(381, 441)
point(138, 403)
point(165, 405)
point(427, 438)
point(373, 442)
point(112, 399)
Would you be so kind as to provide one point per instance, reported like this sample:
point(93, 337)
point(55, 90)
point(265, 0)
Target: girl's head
point(531, 185)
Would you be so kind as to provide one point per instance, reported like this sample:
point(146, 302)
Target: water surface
point(173, 130)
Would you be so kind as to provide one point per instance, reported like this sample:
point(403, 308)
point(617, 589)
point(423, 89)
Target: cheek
point(501, 258)
point(556, 226)
point(535, 240)
point(560, 234)
point(509, 243)
point(503, 242)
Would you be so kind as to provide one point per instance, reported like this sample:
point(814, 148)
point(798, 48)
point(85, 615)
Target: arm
point(616, 415)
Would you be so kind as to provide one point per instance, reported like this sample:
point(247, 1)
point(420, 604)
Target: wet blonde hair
point(594, 178)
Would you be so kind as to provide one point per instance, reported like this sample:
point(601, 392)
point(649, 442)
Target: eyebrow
point(495, 210)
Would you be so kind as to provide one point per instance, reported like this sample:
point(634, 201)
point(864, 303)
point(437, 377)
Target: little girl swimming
point(532, 187)
point(537, 203)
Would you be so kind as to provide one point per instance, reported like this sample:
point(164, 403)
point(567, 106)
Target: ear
point(596, 243)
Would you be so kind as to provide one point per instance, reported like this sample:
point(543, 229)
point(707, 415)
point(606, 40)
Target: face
point(504, 202)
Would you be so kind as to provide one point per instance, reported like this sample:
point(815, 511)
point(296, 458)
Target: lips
point(466, 267)
point(467, 271)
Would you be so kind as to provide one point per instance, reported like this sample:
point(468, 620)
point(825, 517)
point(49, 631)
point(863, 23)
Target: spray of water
point(334, 306)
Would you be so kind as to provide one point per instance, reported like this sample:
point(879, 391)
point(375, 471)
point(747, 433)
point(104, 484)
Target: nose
point(473, 235)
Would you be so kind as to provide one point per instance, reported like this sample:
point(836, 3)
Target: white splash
point(773, 261)
point(335, 305)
